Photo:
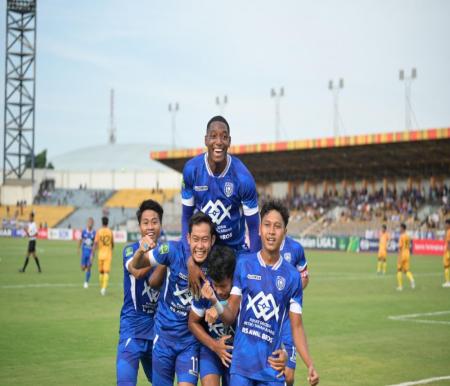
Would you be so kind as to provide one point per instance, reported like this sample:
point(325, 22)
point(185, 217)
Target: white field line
point(413, 317)
point(423, 381)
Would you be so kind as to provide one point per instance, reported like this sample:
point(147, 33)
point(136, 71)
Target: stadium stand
point(44, 215)
point(131, 198)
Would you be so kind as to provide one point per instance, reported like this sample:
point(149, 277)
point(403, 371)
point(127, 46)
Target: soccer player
point(139, 303)
point(31, 232)
point(404, 244)
point(447, 254)
point(86, 243)
point(266, 290)
point(382, 250)
point(293, 252)
point(175, 349)
point(104, 241)
point(215, 351)
point(220, 185)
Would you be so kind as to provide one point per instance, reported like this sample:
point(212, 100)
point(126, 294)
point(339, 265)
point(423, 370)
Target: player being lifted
point(266, 289)
point(31, 232)
point(220, 185)
point(175, 349)
point(446, 257)
point(139, 302)
point(382, 250)
point(404, 244)
point(86, 243)
point(104, 241)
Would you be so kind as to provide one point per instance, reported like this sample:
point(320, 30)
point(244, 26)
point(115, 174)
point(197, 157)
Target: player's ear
point(188, 237)
point(213, 240)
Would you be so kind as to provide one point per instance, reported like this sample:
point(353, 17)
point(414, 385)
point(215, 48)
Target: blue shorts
point(129, 352)
point(288, 342)
point(85, 258)
point(170, 358)
point(210, 363)
point(239, 380)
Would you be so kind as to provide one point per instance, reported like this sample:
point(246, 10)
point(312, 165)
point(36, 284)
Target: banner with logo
point(120, 236)
point(428, 247)
point(42, 233)
point(60, 234)
point(5, 232)
point(371, 245)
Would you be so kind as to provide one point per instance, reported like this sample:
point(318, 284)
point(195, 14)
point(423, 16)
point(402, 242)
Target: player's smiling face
point(200, 242)
point(272, 230)
point(150, 224)
point(217, 140)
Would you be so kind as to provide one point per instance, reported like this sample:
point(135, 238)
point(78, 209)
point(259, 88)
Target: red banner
point(428, 247)
point(42, 233)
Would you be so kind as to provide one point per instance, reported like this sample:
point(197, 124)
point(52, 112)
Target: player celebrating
point(447, 254)
point(403, 259)
point(175, 349)
point(293, 252)
point(139, 303)
point(86, 243)
point(104, 241)
point(265, 289)
point(31, 232)
point(382, 250)
point(220, 185)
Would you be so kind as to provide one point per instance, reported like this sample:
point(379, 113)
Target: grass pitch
point(361, 331)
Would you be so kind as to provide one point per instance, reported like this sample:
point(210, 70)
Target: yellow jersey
point(404, 244)
point(447, 241)
point(382, 247)
point(104, 239)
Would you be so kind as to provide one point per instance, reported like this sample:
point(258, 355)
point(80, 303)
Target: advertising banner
point(428, 247)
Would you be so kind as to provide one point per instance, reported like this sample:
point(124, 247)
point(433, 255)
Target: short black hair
point(150, 205)
point(278, 206)
point(218, 118)
point(199, 218)
point(221, 263)
point(447, 221)
point(403, 226)
point(105, 221)
point(384, 226)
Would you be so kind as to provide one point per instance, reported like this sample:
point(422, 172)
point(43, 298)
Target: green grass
point(66, 335)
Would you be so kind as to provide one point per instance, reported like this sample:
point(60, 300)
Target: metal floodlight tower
point(221, 103)
point(336, 115)
point(277, 96)
point(409, 113)
point(112, 123)
point(173, 109)
point(20, 89)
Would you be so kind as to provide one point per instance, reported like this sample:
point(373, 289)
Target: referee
point(31, 232)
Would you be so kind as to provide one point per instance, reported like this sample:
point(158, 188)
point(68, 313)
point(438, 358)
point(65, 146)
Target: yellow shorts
point(104, 265)
point(404, 264)
point(382, 255)
point(446, 260)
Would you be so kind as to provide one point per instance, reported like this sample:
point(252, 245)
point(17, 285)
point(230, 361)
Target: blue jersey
point(171, 321)
point(87, 240)
point(226, 198)
point(293, 252)
point(139, 301)
point(218, 328)
point(267, 293)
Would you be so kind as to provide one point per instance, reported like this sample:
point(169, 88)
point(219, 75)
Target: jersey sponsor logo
point(288, 257)
point(264, 307)
point(228, 189)
point(184, 295)
point(220, 329)
point(150, 292)
point(129, 251)
point(253, 277)
point(164, 248)
point(201, 188)
point(217, 211)
point(280, 283)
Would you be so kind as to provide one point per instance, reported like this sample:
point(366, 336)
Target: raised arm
point(140, 258)
point(156, 279)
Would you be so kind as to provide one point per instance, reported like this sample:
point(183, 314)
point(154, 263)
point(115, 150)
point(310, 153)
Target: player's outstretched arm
point(301, 344)
point(227, 313)
point(253, 232)
point(157, 277)
point(140, 260)
point(218, 346)
point(139, 273)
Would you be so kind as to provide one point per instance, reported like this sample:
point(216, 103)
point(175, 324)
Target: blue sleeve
point(253, 232)
point(163, 254)
point(248, 194)
point(302, 263)
point(127, 253)
point(296, 300)
point(237, 278)
point(186, 214)
point(187, 198)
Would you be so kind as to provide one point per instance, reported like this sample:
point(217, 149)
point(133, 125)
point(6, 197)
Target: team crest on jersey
point(228, 189)
point(164, 248)
point(264, 307)
point(280, 283)
point(129, 251)
point(217, 211)
point(288, 257)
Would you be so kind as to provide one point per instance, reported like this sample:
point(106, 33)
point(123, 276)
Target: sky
point(158, 52)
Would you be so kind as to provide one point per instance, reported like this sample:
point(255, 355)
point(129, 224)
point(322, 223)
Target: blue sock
point(88, 276)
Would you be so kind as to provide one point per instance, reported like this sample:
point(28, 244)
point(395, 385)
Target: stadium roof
point(117, 157)
point(396, 154)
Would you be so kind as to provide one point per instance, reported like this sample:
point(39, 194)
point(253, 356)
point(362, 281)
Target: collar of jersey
point(225, 171)
point(274, 267)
